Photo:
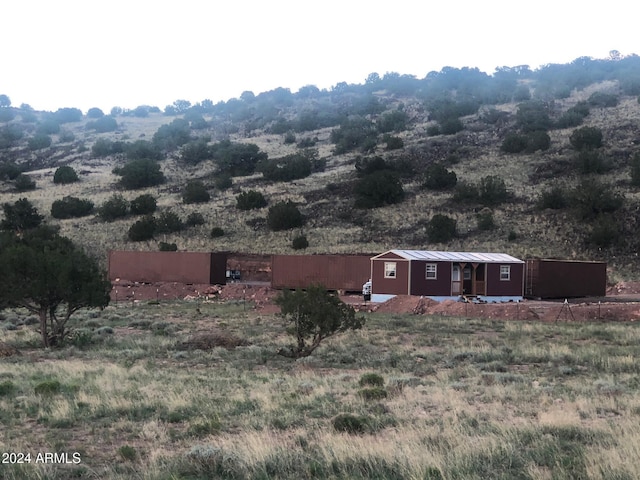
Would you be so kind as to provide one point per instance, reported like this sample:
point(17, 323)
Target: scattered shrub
point(284, 216)
point(441, 228)
point(378, 189)
point(7, 388)
point(169, 222)
point(223, 182)
point(195, 192)
point(140, 174)
point(24, 183)
point(437, 177)
point(195, 218)
point(554, 198)
point(635, 170)
point(9, 171)
point(586, 138)
point(143, 229)
point(64, 175)
point(48, 127)
point(287, 168)
point(95, 112)
point(300, 242)
point(466, 192)
point(605, 232)
point(373, 393)
point(349, 423)
point(48, 387)
point(127, 452)
point(167, 247)
point(371, 379)
point(485, 220)
point(216, 232)
point(393, 143)
point(250, 200)
point(601, 99)
point(591, 198)
point(451, 126)
point(143, 204)
point(492, 190)
point(71, 207)
point(38, 142)
point(114, 208)
point(103, 124)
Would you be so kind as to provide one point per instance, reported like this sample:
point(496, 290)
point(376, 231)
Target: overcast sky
point(82, 53)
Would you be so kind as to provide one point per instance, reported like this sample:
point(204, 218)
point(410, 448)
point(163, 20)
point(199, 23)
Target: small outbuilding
point(490, 277)
point(555, 278)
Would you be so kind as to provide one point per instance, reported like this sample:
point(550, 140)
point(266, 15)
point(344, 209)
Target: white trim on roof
point(453, 256)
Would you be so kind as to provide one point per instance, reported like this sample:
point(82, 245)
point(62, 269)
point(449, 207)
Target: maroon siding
point(218, 269)
point(499, 288)
point(390, 286)
point(420, 285)
point(565, 278)
point(150, 267)
point(335, 272)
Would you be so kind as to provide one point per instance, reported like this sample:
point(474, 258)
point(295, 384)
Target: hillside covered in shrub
point(539, 162)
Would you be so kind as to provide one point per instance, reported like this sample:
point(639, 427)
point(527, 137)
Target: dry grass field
point(183, 390)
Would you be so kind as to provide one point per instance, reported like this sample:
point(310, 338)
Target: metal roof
point(455, 256)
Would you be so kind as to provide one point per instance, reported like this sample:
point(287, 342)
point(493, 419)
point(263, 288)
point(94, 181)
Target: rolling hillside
point(458, 119)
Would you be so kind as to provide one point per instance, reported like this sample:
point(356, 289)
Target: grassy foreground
point(408, 397)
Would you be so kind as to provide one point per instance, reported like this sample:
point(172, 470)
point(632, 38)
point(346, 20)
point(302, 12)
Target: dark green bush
point(451, 126)
point(103, 147)
point(169, 222)
point(393, 143)
point(95, 112)
point(140, 174)
point(38, 142)
point(592, 198)
point(24, 183)
point(466, 192)
point(223, 182)
point(373, 393)
point(300, 242)
point(349, 423)
point(71, 207)
point(592, 161)
point(237, 159)
point(485, 220)
point(172, 136)
point(196, 151)
point(514, 143)
point(48, 126)
point(48, 387)
point(492, 190)
point(195, 192)
point(195, 218)
point(635, 170)
point(601, 99)
point(371, 379)
point(605, 231)
point(115, 207)
point(287, 168)
point(143, 229)
point(250, 200)
point(441, 229)
point(216, 232)
point(586, 138)
point(284, 216)
point(395, 121)
point(143, 150)
point(167, 247)
point(7, 388)
point(533, 116)
point(538, 140)
point(143, 204)
point(554, 198)
point(352, 134)
point(9, 171)
point(103, 124)
point(64, 175)
point(377, 189)
point(437, 177)
point(433, 130)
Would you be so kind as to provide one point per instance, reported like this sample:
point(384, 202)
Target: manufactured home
point(490, 277)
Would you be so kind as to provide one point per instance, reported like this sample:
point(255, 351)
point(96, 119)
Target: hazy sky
point(82, 53)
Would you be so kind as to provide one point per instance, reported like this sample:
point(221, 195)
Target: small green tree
point(140, 174)
point(195, 192)
point(377, 189)
point(284, 216)
point(300, 242)
point(313, 315)
point(143, 229)
point(71, 207)
point(39, 141)
point(115, 207)
point(20, 216)
point(194, 219)
point(24, 183)
point(492, 190)
point(143, 204)
point(64, 175)
point(437, 177)
point(49, 276)
point(441, 228)
point(169, 222)
point(586, 138)
point(250, 200)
